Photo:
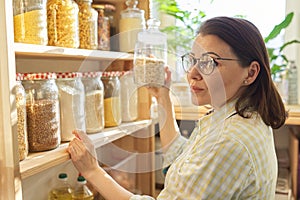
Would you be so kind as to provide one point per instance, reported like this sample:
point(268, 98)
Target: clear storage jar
point(150, 56)
point(42, 109)
point(62, 20)
point(129, 96)
point(88, 25)
point(20, 97)
point(112, 99)
point(30, 21)
point(71, 100)
point(94, 106)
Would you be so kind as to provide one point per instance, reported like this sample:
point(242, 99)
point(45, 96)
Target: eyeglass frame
point(197, 60)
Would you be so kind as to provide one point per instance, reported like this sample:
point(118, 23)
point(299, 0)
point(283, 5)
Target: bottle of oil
point(63, 190)
point(81, 191)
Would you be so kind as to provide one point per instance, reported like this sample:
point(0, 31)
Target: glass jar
point(42, 109)
point(150, 56)
point(30, 21)
point(129, 96)
point(131, 22)
point(71, 100)
point(88, 25)
point(62, 19)
point(112, 99)
point(20, 96)
point(103, 29)
point(94, 106)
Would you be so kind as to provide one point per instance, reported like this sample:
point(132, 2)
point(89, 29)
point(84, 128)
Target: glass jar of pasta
point(20, 97)
point(94, 107)
point(30, 21)
point(112, 99)
point(88, 25)
point(62, 20)
point(42, 109)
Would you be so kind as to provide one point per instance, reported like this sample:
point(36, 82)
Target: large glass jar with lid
point(150, 56)
point(71, 100)
point(30, 21)
point(88, 25)
point(94, 106)
point(42, 109)
point(131, 22)
point(62, 19)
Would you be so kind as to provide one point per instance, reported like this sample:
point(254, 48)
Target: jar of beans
point(94, 107)
point(62, 23)
point(42, 109)
point(20, 97)
point(112, 99)
point(71, 100)
point(103, 28)
point(88, 25)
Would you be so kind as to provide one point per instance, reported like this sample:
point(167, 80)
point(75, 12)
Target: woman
point(231, 153)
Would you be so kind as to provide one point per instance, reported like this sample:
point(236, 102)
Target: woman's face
point(224, 82)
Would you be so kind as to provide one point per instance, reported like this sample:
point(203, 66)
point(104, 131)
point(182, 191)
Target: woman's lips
point(196, 89)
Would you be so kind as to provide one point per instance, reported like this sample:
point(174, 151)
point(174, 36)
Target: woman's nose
point(195, 74)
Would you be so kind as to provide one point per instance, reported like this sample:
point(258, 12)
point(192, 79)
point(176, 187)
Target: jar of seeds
point(42, 109)
point(71, 100)
point(19, 93)
point(94, 106)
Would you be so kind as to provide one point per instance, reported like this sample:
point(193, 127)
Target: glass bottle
point(292, 83)
point(30, 21)
point(63, 190)
point(94, 105)
point(42, 109)
point(71, 100)
point(150, 56)
point(81, 190)
point(131, 22)
point(20, 97)
point(103, 28)
point(88, 25)
point(62, 19)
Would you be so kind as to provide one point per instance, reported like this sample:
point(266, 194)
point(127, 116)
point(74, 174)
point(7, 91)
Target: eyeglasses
point(205, 63)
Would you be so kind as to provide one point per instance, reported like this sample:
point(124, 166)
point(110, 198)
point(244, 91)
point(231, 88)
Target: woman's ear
point(253, 71)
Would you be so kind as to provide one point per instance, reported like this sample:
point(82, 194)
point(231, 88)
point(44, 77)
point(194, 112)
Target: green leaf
point(287, 44)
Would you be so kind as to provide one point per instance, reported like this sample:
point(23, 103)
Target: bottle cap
point(62, 175)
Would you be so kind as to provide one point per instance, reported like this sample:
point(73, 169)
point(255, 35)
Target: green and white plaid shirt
point(226, 157)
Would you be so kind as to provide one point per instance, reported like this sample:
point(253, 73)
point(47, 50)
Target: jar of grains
point(88, 25)
point(150, 56)
point(112, 99)
point(129, 96)
point(30, 21)
point(103, 28)
point(94, 108)
point(42, 109)
point(71, 101)
point(20, 96)
point(62, 23)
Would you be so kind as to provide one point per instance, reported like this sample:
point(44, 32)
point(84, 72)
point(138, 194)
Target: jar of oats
point(94, 106)
point(71, 100)
point(42, 109)
point(20, 97)
point(150, 56)
point(112, 99)
point(30, 21)
point(88, 25)
point(62, 23)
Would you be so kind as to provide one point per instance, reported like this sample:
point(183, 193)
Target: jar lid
point(91, 74)
point(68, 74)
point(38, 76)
point(105, 6)
point(19, 76)
point(111, 74)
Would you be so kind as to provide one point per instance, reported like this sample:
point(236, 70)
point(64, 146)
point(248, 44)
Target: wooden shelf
point(38, 162)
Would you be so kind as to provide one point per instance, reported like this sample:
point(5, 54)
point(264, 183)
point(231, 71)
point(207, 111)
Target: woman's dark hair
point(248, 45)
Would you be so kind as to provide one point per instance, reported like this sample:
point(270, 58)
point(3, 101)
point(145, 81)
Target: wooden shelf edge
point(42, 51)
point(38, 162)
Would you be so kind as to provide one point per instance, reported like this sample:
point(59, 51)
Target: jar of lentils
point(62, 19)
point(88, 25)
point(42, 109)
point(94, 108)
point(71, 101)
point(19, 93)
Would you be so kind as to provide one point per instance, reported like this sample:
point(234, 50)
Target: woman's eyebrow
point(210, 52)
